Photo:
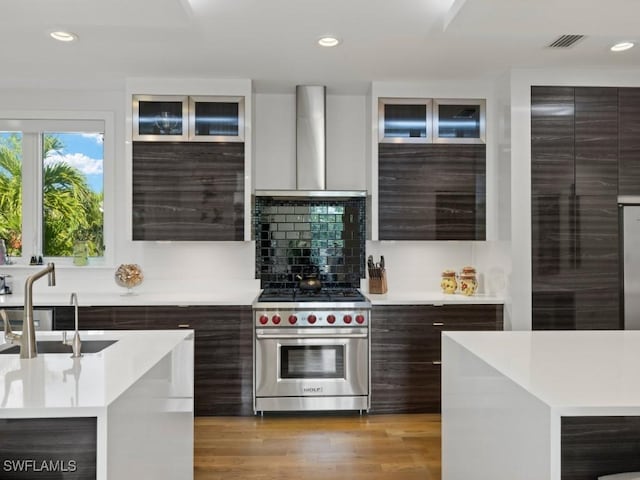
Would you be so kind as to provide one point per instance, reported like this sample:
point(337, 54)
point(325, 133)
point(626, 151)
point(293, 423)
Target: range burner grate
point(324, 295)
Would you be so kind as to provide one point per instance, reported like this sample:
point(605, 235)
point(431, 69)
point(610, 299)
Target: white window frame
point(32, 124)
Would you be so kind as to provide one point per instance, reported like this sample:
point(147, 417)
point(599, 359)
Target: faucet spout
point(76, 343)
point(28, 348)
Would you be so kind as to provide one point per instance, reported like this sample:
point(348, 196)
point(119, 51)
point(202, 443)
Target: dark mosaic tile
point(297, 236)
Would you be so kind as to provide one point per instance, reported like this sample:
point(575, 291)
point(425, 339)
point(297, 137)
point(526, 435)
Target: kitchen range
point(312, 350)
point(311, 335)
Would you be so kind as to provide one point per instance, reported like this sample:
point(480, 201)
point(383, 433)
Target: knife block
point(378, 285)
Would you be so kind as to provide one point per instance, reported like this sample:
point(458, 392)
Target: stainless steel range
point(311, 350)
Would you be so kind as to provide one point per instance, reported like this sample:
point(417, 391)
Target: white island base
point(123, 413)
point(540, 405)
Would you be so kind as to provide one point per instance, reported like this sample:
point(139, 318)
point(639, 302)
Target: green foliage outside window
point(71, 210)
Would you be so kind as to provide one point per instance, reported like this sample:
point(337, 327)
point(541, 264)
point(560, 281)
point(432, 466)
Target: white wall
point(275, 142)
point(202, 267)
point(521, 82)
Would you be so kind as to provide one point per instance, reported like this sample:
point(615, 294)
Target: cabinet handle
point(184, 325)
point(438, 324)
point(436, 362)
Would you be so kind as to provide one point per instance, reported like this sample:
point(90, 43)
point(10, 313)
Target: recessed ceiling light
point(622, 46)
point(63, 36)
point(328, 41)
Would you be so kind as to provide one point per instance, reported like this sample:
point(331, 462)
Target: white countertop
point(52, 384)
point(430, 298)
point(237, 297)
point(574, 372)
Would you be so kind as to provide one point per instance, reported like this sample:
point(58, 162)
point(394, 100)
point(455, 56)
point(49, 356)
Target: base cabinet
point(406, 355)
point(223, 346)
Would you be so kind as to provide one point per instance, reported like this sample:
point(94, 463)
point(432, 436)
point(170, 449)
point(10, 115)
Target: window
point(52, 187)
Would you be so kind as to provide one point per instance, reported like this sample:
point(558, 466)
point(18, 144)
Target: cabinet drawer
point(405, 387)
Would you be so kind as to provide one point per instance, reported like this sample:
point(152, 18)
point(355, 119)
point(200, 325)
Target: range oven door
point(306, 362)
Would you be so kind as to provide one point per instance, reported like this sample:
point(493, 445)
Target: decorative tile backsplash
point(298, 236)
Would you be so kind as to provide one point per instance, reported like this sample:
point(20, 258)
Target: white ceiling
point(273, 42)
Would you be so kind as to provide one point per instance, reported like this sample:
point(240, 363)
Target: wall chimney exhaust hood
point(311, 147)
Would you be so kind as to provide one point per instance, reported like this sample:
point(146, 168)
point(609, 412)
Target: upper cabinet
point(419, 120)
point(216, 119)
point(190, 159)
point(431, 169)
point(171, 118)
point(160, 118)
point(431, 192)
point(459, 121)
point(405, 120)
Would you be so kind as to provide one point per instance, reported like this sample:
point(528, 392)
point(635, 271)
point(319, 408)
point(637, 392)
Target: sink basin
point(56, 346)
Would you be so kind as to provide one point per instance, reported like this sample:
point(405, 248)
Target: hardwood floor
point(371, 447)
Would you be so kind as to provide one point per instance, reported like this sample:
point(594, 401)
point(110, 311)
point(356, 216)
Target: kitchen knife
point(370, 265)
point(382, 262)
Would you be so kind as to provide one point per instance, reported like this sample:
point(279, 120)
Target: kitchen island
point(125, 412)
point(540, 405)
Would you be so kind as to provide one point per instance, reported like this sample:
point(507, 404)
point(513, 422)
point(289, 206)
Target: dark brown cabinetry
point(552, 141)
point(593, 446)
point(223, 369)
point(405, 351)
point(574, 212)
point(596, 141)
point(188, 191)
point(629, 137)
point(431, 192)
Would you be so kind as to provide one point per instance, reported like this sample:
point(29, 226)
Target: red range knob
point(360, 319)
point(264, 319)
point(331, 318)
point(293, 319)
point(312, 318)
point(276, 319)
point(347, 319)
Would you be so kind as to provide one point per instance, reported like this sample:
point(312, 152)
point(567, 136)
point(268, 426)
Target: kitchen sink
point(56, 346)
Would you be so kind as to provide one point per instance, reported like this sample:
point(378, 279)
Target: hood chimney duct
point(311, 137)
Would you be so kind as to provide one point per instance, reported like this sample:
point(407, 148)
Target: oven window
point(312, 361)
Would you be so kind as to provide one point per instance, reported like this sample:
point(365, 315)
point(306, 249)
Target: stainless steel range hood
point(311, 148)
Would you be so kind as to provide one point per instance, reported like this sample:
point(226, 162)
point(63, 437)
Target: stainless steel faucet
point(27, 339)
point(76, 344)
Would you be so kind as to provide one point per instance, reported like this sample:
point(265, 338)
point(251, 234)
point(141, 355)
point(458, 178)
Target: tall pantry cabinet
point(585, 152)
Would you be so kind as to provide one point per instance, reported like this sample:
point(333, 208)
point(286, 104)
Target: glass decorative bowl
point(129, 275)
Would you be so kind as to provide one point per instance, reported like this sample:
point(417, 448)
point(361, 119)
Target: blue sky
point(84, 151)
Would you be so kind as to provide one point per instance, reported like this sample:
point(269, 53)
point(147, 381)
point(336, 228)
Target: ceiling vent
point(565, 41)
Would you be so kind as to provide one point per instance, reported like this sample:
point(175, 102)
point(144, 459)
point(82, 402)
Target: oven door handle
point(275, 336)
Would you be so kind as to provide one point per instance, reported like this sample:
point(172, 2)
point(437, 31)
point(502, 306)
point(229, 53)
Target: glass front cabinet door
point(160, 117)
point(426, 120)
point(404, 120)
point(173, 118)
point(459, 121)
point(216, 119)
